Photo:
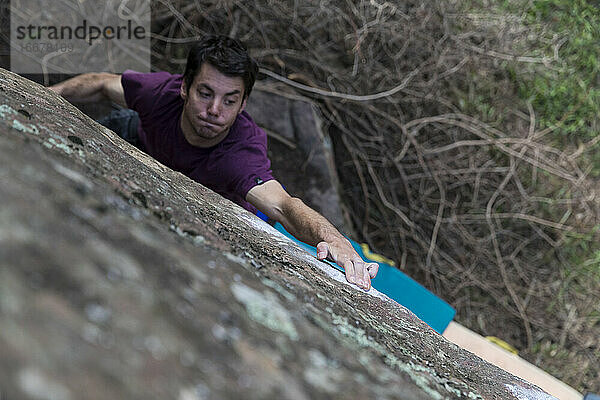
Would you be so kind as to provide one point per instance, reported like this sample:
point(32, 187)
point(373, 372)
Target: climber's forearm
point(92, 87)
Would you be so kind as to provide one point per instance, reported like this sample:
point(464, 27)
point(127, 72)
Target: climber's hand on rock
point(310, 227)
point(343, 254)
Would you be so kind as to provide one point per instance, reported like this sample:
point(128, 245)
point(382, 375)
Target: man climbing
point(195, 123)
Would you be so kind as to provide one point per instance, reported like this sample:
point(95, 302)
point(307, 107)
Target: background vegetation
point(466, 138)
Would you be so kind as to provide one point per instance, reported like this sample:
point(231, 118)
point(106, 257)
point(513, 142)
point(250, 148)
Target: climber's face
point(211, 105)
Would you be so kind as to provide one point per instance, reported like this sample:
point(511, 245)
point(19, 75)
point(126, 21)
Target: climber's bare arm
point(311, 227)
point(92, 87)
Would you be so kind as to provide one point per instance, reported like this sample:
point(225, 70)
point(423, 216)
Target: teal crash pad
point(399, 287)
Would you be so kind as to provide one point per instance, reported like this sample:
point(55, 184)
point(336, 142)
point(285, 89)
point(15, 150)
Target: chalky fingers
point(350, 273)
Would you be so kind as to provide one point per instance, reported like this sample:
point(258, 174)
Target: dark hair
point(227, 55)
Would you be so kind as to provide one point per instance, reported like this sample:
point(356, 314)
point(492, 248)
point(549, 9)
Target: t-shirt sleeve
point(141, 89)
point(246, 164)
point(254, 167)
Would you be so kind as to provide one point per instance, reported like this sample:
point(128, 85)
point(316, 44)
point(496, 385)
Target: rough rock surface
point(121, 279)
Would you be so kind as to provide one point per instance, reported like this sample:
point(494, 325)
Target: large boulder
point(122, 279)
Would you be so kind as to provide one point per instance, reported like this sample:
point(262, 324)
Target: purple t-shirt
point(231, 168)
